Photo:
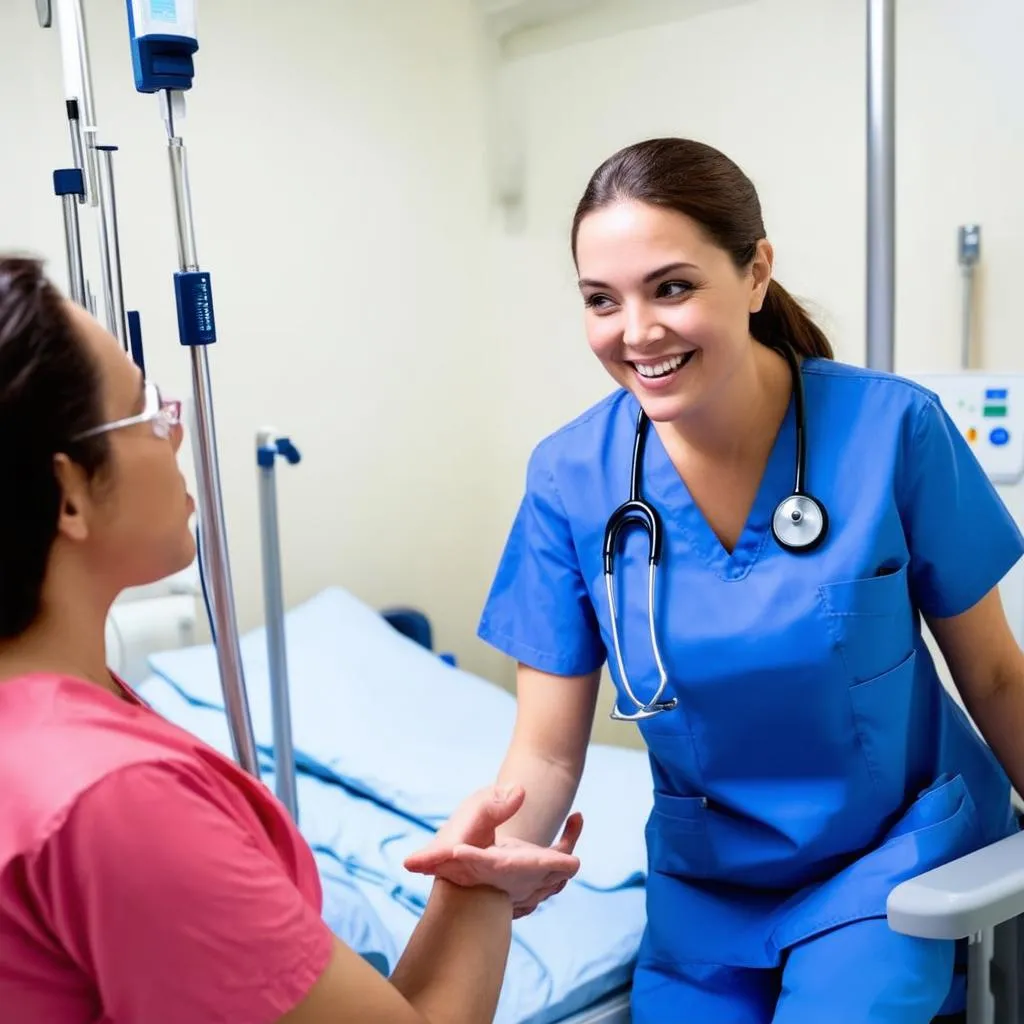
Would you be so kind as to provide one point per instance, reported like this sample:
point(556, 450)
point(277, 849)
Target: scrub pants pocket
point(703, 994)
point(865, 973)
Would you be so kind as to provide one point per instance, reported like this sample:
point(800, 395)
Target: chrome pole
point(75, 131)
point(981, 1005)
point(197, 330)
point(73, 245)
point(110, 248)
point(965, 318)
point(86, 104)
point(93, 160)
point(268, 447)
point(182, 193)
point(69, 184)
point(968, 252)
point(881, 184)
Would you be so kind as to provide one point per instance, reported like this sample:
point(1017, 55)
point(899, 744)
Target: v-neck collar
point(665, 487)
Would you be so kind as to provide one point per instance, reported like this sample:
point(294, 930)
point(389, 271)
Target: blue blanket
point(377, 712)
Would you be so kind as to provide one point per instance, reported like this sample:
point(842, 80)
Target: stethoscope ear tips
point(800, 523)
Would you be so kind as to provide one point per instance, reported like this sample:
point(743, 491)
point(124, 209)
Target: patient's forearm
point(453, 966)
point(550, 789)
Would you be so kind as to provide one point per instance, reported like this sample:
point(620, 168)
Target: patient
point(143, 877)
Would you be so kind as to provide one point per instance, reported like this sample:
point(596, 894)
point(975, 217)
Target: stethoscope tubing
point(796, 509)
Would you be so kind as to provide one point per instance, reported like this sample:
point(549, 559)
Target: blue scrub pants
point(861, 973)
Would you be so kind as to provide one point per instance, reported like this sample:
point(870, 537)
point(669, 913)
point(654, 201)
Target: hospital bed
point(389, 737)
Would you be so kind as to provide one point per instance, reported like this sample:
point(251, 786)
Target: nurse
point(805, 756)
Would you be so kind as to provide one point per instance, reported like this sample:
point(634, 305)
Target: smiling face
point(667, 311)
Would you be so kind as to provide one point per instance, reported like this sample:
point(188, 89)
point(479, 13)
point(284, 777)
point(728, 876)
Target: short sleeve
point(538, 610)
point(165, 900)
point(961, 537)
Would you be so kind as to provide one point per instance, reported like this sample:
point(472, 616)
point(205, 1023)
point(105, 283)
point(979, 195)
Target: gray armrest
point(968, 895)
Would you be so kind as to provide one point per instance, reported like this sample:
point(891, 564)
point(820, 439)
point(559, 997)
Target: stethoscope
point(799, 525)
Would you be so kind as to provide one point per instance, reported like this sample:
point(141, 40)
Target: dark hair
point(705, 185)
point(49, 393)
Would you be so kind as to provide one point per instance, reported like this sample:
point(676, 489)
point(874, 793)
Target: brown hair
point(49, 393)
point(705, 185)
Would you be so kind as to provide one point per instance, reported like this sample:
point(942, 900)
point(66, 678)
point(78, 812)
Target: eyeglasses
point(162, 413)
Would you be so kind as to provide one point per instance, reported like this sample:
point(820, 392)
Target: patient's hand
point(465, 851)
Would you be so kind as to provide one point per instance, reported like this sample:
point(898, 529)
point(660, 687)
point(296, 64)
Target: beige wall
point(337, 176)
point(375, 303)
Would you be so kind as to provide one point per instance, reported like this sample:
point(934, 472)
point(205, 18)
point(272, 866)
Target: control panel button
point(1000, 435)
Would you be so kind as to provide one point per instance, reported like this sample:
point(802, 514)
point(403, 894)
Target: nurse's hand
point(465, 851)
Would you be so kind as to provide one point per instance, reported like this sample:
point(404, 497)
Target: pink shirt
point(144, 879)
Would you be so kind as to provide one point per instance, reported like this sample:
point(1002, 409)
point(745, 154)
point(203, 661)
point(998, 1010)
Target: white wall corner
point(505, 132)
point(506, 17)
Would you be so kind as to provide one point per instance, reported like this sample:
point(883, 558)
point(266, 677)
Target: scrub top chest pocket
point(871, 621)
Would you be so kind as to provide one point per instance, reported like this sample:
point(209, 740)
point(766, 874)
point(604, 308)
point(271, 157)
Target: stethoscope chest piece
point(800, 523)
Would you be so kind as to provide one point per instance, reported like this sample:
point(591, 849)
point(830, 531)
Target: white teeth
point(660, 369)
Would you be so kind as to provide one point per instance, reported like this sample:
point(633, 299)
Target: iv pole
point(163, 39)
point(881, 290)
point(968, 253)
point(269, 447)
point(881, 184)
point(90, 181)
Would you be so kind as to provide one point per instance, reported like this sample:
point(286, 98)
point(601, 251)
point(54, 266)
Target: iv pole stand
point(881, 184)
point(90, 181)
point(268, 448)
point(163, 41)
point(881, 291)
point(968, 253)
point(197, 330)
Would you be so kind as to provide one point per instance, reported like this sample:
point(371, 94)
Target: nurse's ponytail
point(781, 316)
point(703, 184)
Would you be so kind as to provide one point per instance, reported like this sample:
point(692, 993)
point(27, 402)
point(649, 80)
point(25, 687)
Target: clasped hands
point(467, 851)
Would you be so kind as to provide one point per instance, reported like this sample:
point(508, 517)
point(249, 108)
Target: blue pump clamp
point(193, 296)
point(68, 181)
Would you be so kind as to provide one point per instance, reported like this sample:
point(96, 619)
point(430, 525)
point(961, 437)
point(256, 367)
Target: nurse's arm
point(554, 717)
point(987, 667)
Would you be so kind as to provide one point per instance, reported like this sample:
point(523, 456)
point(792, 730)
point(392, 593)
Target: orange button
point(972, 434)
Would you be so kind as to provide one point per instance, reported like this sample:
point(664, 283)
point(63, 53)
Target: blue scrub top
point(815, 760)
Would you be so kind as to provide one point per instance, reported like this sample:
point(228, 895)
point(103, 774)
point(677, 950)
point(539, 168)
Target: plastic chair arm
point(969, 895)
